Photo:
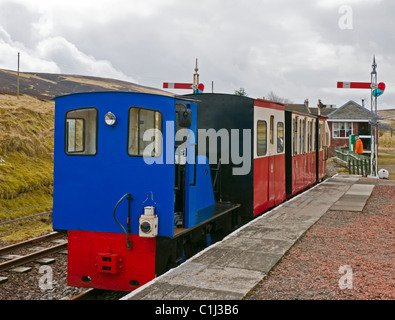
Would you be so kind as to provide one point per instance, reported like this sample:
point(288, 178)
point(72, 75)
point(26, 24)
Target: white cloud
point(339, 3)
point(29, 61)
point(43, 52)
point(294, 48)
point(68, 57)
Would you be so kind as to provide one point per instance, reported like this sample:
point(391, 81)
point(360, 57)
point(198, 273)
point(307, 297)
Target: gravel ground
point(46, 282)
point(344, 256)
point(42, 282)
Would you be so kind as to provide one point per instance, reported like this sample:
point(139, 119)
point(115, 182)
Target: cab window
point(145, 130)
point(81, 132)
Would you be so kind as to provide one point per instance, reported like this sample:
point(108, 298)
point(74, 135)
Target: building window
point(363, 129)
point(341, 129)
point(261, 138)
point(81, 132)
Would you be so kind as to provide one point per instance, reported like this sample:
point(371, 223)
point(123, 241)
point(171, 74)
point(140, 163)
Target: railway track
point(98, 294)
point(18, 261)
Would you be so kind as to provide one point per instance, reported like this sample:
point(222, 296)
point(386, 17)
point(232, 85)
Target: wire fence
point(24, 208)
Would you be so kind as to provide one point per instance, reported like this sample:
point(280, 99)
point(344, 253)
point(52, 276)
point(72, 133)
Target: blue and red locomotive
point(144, 181)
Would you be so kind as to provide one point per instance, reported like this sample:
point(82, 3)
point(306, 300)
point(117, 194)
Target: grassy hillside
point(26, 142)
point(387, 115)
point(48, 85)
point(26, 161)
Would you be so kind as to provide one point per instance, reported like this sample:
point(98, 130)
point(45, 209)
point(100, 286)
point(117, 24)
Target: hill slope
point(387, 115)
point(26, 142)
point(48, 85)
point(26, 162)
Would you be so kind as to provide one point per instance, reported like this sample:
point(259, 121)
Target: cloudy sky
point(297, 49)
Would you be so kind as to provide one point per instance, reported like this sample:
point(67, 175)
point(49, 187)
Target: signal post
point(377, 89)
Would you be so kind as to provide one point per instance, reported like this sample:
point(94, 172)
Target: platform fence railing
point(356, 163)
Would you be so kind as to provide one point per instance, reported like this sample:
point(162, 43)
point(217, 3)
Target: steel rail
point(12, 247)
point(83, 295)
point(32, 257)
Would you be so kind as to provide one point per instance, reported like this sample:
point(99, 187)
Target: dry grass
point(26, 156)
point(386, 155)
point(387, 141)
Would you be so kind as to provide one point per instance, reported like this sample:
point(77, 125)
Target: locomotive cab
point(126, 180)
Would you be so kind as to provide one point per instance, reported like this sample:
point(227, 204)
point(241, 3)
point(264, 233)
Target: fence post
point(366, 167)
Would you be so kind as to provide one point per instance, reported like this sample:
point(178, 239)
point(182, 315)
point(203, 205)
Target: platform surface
point(229, 269)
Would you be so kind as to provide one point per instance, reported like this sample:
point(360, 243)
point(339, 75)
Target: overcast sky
point(297, 49)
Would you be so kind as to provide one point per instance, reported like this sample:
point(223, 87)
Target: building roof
point(352, 111)
point(302, 108)
point(324, 111)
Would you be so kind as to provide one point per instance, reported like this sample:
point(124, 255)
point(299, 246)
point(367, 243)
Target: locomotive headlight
point(145, 227)
point(110, 119)
point(148, 223)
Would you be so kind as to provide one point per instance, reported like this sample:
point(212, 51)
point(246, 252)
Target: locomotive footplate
point(186, 243)
point(208, 215)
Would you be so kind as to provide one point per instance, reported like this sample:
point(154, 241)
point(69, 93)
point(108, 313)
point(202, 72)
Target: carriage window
point(271, 136)
point(319, 136)
point(309, 137)
point(261, 138)
point(313, 137)
point(280, 137)
point(295, 136)
point(81, 131)
point(145, 132)
point(304, 136)
point(300, 136)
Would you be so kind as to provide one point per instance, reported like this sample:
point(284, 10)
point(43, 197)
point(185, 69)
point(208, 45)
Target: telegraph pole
point(17, 84)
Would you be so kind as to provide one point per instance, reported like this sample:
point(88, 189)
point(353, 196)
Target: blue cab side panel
point(87, 187)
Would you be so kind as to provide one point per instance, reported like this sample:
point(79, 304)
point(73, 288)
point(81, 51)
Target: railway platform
point(229, 269)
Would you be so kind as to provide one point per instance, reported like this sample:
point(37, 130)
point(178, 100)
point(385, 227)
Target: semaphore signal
point(195, 86)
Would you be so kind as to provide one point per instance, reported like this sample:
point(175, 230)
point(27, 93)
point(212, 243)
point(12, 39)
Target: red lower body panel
point(101, 260)
point(298, 172)
point(269, 182)
point(304, 171)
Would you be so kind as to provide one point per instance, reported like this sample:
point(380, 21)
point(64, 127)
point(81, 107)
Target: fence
point(357, 163)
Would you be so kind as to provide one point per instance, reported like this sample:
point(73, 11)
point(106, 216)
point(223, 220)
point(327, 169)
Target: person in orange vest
point(358, 148)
